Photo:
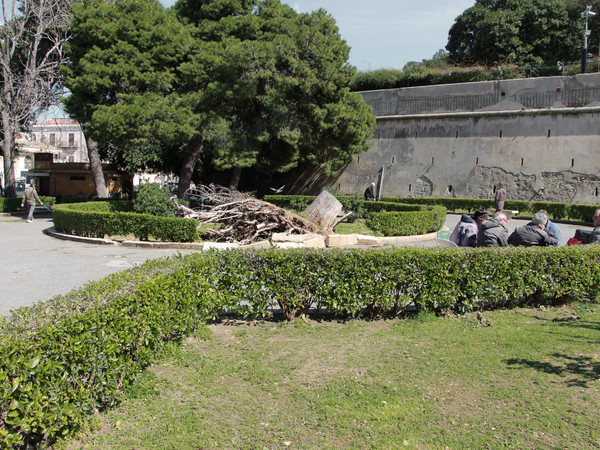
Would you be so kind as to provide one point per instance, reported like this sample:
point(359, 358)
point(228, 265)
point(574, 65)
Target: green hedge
point(13, 204)
point(70, 356)
point(556, 210)
point(408, 219)
point(394, 79)
point(407, 223)
point(99, 219)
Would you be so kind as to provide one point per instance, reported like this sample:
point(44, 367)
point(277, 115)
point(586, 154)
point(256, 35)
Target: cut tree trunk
point(324, 211)
point(236, 175)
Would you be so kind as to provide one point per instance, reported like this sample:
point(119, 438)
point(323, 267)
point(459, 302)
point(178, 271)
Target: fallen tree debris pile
point(242, 218)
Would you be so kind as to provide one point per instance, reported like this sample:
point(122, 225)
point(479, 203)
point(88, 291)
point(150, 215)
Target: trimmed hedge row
point(388, 218)
point(114, 218)
point(407, 223)
point(65, 358)
point(13, 204)
point(557, 210)
point(394, 79)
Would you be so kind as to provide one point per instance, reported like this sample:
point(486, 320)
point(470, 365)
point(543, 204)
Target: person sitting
point(551, 226)
point(370, 193)
point(533, 233)
point(594, 236)
point(465, 232)
point(493, 232)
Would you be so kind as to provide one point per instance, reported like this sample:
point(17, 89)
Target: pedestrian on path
point(500, 197)
point(30, 196)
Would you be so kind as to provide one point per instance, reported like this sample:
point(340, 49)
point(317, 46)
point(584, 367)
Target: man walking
point(30, 196)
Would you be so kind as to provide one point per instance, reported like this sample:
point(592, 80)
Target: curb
point(201, 245)
point(70, 237)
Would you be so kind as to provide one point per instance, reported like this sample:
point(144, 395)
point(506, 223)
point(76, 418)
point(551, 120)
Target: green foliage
point(65, 358)
point(407, 223)
point(99, 219)
point(248, 84)
point(428, 76)
point(515, 31)
point(409, 219)
point(152, 199)
point(13, 204)
point(557, 210)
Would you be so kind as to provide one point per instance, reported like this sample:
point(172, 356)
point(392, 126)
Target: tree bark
point(189, 164)
point(9, 163)
point(235, 178)
point(96, 168)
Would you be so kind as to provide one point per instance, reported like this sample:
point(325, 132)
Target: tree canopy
point(245, 83)
point(515, 31)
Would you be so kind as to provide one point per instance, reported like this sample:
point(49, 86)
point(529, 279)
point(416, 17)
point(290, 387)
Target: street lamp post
point(584, 56)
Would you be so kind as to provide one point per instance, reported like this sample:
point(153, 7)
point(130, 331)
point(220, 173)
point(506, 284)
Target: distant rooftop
point(57, 122)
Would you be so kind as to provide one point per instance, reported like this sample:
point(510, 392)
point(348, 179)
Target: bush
point(394, 79)
point(152, 199)
point(407, 223)
point(13, 204)
point(99, 219)
point(65, 358)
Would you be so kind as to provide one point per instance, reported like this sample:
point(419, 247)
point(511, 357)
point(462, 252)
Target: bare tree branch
point(32, 37)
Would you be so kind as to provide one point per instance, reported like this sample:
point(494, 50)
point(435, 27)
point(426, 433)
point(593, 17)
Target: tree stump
point(324, 211)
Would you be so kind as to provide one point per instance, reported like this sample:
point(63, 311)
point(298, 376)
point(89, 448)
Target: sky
point(386, 34)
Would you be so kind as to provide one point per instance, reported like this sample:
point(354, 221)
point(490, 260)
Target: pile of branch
point(242, 218)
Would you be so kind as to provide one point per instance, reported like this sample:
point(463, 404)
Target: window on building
point(52, 139)
point(71, 139)
point(28, 162)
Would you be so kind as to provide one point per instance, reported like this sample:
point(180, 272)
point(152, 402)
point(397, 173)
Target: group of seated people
point(481, 230)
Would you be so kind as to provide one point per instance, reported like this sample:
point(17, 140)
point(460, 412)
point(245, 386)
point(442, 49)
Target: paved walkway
point(36, 266)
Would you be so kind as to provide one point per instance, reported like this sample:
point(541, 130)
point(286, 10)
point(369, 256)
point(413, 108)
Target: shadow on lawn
point(583, 368)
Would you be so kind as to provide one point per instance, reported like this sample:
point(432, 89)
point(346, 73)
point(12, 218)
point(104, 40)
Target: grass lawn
point(357, 227)
point(524, 378)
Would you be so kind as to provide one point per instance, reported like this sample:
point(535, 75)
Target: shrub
point(99, 219)
point(407, 223)
point(67, 357)
point(152, 199)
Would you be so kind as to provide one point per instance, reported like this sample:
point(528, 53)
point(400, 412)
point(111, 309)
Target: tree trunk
point(188, 165)
point(96, 168)
point(235, 178)
point(8, 139)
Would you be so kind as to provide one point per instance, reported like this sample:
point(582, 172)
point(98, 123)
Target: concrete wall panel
point(539, 136)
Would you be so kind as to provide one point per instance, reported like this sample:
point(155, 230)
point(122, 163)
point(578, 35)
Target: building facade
point(64, 135)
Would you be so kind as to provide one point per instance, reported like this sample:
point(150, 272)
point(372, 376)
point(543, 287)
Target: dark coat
point(530, 235)
point(369, 194)
point(492, 234)
point(465, 232)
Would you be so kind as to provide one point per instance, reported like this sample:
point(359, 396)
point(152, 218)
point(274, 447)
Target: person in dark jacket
point(493, 232)
point(370, 193)
point(533, 233)
point(465, 232)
